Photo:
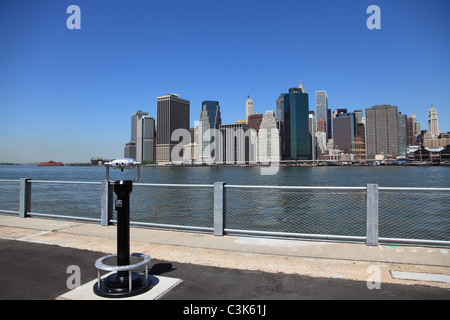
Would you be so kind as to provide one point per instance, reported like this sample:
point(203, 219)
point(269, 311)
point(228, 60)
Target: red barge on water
point(50, 163)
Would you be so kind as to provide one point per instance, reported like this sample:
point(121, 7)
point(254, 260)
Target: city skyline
point(64, 94)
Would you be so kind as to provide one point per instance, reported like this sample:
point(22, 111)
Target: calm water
point(405, 176)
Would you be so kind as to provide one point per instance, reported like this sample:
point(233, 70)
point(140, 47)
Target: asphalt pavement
point(35, 271)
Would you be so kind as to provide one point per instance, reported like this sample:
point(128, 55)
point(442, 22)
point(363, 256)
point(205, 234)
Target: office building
point(148, 138)
point(280, 107)
point(322, 111)
point(236, 144)
point(130, 150)
point(402, 135)
point(358, 116)
point(433, 138)
point(433, 126)
point(312, 135)
point(344, 130)
point(254, 121)
point(416, 128)
point(321, 145)
point(382, 131)
point(268, 146)
point(136, 132)
point(209, 123)
point(135, 119)
point(293, 112)
point(321, 125)
point(172, 114)
point(249, 108)
point(142, 144)
point(359, 149)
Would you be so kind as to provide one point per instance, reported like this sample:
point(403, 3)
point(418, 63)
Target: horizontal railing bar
point(173, 185)
point(296, 235)
point(411, 189)
point(244, 186)
point(66, 182)
point(294, 187)
point(61, 216)
point(9, 211)
point(167, 225)
point(418, 241)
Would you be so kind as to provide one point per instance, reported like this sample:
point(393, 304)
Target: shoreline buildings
point(291, 134)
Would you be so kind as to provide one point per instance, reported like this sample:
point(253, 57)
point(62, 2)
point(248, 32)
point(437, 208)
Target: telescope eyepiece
point(123, 163)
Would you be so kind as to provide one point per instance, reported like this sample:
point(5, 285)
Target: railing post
point(219, 208)
point(25, 197)
point(107, 203)
point(372, 215)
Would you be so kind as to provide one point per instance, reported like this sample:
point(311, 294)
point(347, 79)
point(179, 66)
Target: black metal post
point(123, 189)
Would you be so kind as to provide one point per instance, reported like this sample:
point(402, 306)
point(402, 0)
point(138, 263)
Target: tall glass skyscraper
point(210, 120)
point(294, 115)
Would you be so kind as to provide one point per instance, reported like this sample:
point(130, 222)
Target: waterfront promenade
point(229, 267)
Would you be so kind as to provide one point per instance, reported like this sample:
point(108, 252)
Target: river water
point(390, 176)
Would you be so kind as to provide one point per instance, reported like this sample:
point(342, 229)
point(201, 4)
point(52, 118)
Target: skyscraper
point(312, 135)
point(135, 119)
point(294, 117)
point(268, 139)
point(414, 129)
point(382, 130)
point(249, 108)
point(402, 134)
point(254, 121)
point(236, 144)
point(322, 109)
point(210, 120)
point(130, 150)
point(172, 114)
point(433, 126)
point(141, 147)
point(148, 139)
point(344, 129)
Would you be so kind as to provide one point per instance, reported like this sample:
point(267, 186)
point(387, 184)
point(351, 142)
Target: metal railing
point(368, 214)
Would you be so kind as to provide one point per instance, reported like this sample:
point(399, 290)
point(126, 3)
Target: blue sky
point(67, 95)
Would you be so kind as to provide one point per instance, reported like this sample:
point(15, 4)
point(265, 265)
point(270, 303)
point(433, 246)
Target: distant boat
point(50, 163)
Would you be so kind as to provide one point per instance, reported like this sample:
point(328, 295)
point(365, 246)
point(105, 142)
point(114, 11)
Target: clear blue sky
point(67, 95)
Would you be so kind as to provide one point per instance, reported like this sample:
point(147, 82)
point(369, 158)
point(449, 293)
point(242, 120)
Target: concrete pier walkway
point(229, 267)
